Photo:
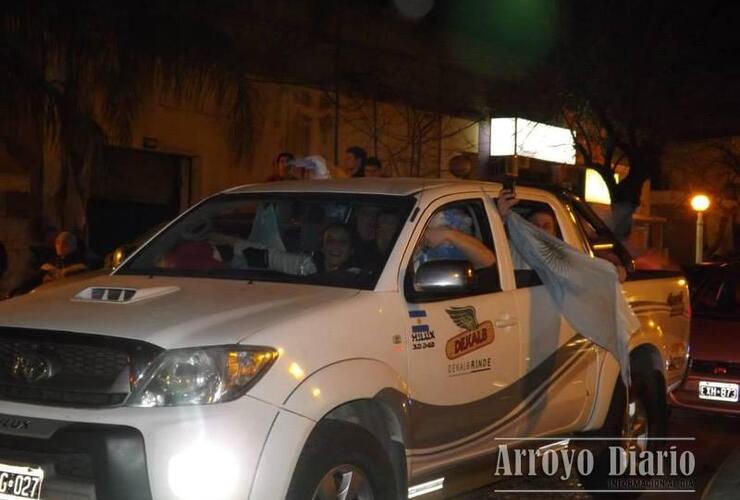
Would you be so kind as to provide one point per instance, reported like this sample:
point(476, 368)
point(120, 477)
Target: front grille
point(711, 367)
point(69, 369)
point(73, 359)
point(64, 397)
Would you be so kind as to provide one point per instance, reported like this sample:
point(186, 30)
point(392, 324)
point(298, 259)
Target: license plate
point(718, 391)
point(20, 482)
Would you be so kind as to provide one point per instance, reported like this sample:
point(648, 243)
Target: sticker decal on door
point(421, 336)
point(474, 335)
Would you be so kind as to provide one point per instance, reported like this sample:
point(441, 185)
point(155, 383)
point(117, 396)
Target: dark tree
point(82, 70)
point(631, 76)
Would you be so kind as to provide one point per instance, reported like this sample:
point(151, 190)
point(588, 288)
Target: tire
point(645, 417)
point(338, 454)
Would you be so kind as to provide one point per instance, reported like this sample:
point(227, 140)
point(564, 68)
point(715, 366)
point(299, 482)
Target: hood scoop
point(117, 295)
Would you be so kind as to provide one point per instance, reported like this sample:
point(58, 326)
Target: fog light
point(203, 471)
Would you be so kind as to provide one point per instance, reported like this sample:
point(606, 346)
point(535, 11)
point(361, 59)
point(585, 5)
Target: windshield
point(324, 239)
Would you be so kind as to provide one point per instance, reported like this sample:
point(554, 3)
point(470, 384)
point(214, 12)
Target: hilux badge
point(31, 367)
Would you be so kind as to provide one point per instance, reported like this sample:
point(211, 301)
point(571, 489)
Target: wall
point(302, 120)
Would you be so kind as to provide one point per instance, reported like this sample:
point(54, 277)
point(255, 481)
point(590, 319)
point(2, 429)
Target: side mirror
point(442, 278)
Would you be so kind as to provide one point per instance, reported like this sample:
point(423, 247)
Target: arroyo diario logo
point(652, 465)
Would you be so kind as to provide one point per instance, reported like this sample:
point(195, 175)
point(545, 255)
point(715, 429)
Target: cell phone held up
point(509, 184)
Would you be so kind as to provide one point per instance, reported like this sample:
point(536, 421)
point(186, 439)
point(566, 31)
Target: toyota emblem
point(31, 367)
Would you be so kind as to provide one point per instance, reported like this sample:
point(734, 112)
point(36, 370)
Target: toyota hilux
point(298, 340)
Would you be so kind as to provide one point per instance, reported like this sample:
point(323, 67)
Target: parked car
point(288, 340)
point(714, 375)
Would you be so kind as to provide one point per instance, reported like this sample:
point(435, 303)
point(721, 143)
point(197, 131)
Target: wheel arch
point(364, 392)
point(644, 357)
point(349, 381)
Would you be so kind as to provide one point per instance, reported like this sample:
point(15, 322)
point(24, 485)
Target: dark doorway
point(132, 192)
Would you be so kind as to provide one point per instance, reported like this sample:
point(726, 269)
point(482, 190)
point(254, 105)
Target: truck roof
point(395, 186)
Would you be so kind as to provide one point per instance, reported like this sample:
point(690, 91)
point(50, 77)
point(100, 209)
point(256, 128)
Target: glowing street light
point(700, 203)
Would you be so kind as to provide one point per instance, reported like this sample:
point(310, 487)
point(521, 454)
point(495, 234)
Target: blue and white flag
point(586, 289)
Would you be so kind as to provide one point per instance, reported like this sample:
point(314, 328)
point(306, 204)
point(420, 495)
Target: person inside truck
point(545, 220)
point(365, 225)
point(336, 249)
point(386, 227)
point(449, 236)
point(586, 290)
point(385, 230)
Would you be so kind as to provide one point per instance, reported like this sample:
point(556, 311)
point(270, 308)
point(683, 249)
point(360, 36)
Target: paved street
point(716, 438)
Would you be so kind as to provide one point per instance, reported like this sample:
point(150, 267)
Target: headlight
point(199, 376)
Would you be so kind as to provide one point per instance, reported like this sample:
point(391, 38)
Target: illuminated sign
point(516, 136)
point(596, 190)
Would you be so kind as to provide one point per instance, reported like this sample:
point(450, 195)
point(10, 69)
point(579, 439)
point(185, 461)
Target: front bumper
point(174, 453)
point(687, 395)
point(83, 460)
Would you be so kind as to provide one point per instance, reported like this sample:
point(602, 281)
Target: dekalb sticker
point(474, 336)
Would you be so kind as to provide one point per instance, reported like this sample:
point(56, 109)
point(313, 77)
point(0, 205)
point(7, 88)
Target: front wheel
point(342, 461)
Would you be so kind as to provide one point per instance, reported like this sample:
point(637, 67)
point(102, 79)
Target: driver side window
point(459, 231)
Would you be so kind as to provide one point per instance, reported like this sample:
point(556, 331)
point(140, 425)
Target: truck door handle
point(506, 322)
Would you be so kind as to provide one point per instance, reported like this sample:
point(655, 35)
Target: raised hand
point(506, 200)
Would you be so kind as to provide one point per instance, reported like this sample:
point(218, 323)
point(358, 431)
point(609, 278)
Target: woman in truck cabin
point(545, 220)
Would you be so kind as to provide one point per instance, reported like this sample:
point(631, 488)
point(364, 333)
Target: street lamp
point(700, 203)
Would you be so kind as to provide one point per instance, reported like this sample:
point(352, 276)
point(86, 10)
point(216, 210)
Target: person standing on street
point(69, 258)
point(354, 162)
point(373, 167)
point(281, 168)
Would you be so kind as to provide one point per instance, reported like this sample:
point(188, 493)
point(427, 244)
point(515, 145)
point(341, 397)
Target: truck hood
point(165, 311)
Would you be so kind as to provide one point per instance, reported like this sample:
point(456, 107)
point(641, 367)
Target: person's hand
point(621, 271)
point(436, 236)
point(506, 200)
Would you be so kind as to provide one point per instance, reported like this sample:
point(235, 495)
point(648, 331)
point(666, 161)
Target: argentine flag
point(586, 289)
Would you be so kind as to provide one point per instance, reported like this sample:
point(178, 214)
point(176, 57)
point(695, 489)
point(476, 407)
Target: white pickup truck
point(306, 340)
